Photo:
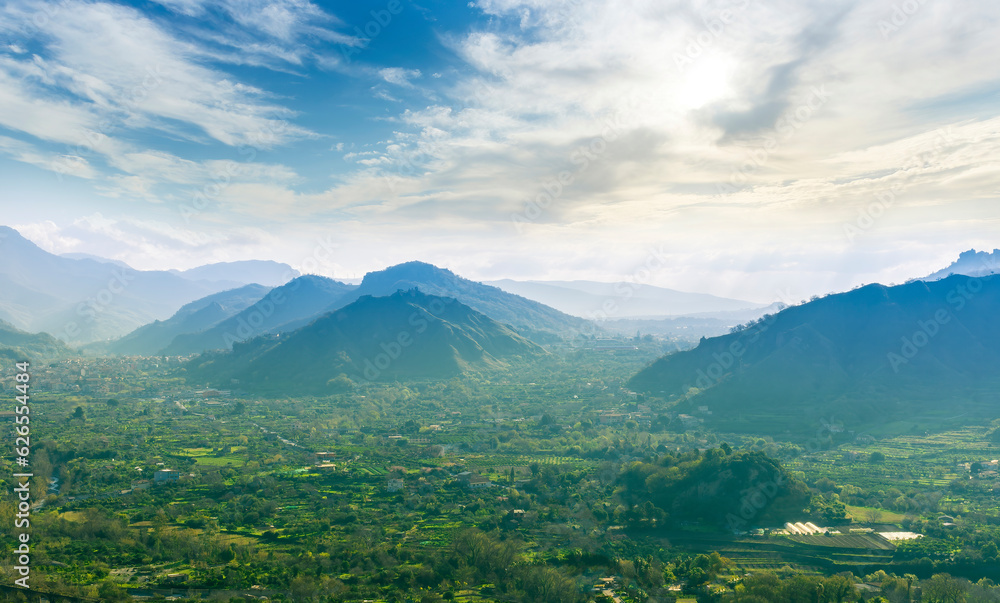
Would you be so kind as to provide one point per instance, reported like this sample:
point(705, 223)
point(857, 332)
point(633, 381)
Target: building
point(166, 475)
point(394, 485)
point(473, 481)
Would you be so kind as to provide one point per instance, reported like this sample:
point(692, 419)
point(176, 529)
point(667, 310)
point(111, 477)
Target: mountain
point(84, 300)
point(923, 351)
point(194, 317)
point(407, 335)
point(96, 258)
point(17, 345)
point(590, 299)
point(283, 309)
point(530, 318)
point(264, 272)
point(970, 263)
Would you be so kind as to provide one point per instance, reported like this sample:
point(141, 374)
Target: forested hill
point(920, 350)
point(406, 335)
point(17, 345)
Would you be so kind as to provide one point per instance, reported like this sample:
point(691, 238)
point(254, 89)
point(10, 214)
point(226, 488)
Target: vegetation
point(551, 483)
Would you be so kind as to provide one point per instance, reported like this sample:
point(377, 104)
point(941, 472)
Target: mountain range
point(598, 301)
point(531, 318)
point(194, 317)
point(924, 349)
point(408, 334)
point(283, 309)
point(80, 299)
point(307, 298)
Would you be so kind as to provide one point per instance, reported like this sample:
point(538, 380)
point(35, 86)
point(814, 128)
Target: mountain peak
point(970, 263)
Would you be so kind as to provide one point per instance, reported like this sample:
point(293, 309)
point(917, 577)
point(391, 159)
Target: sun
point(704, 82)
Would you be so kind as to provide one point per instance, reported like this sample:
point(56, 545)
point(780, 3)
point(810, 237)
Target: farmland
point(361, 495)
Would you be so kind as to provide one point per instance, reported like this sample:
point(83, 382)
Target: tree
point(78, 413)
point(109, 591)
point(943, 588)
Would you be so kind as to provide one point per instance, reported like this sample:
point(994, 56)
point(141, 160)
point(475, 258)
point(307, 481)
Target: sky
point(760, 150)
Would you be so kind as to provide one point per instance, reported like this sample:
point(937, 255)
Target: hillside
point(406, 335)
point(924, 350)
point(282, 309)
point(530, 318)
point(84, 300)
point(16, 345)
point(194, 317)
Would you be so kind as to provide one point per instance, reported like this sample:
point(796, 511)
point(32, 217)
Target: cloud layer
point(763, 147)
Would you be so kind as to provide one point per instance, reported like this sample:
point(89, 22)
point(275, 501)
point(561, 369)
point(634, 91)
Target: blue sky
point(749, 149)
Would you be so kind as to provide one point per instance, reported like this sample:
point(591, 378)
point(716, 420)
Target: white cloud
point(399, 76)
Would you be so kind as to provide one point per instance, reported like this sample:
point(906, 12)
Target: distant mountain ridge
point(308, 298)
point(84, 300)
point(877, 352)
point(201, 314)
point(597, 300)
point(970, 263)
point(533, 319)
point(283, 309)
point(404, 335)
point(262, 272)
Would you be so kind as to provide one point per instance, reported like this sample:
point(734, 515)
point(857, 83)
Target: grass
point(860, 515)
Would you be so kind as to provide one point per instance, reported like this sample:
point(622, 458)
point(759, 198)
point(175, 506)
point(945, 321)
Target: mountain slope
point(194, 317)
point(301, 299)
point(17, 345)
point(588, 299)
point(83, 300)
point(406, 335)
point(914, 350)
point(532, 319)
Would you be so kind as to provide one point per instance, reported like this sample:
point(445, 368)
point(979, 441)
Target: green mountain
point(407, 335)
point(301, 299)
point(923, 351)
point(194, 317)
point(530, 318)
point(17, 345)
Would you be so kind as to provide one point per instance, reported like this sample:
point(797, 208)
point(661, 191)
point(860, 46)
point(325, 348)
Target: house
point(477, 482)
point(166, 475)
point(473, 481)
point(394, 485)
point(612, 418)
